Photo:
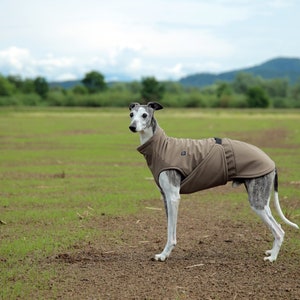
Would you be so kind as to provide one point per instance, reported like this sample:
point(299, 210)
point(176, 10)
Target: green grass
point(60, 169)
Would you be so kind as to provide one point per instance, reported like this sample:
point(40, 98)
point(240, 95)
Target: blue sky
point(168, 39)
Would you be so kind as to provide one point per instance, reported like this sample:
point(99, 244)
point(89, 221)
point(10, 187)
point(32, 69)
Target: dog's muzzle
point(132, 128)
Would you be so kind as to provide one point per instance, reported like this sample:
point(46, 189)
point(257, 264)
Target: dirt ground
point(218, 256)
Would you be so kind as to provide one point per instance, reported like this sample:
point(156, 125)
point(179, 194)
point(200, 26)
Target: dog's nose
point(132, 128)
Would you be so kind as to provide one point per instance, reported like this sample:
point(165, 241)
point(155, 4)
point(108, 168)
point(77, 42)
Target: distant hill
point(276, 68)
point(65, 84)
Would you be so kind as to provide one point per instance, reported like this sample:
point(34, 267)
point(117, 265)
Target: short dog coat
point(204, 163)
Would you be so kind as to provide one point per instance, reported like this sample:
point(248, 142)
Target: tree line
point(245, 91)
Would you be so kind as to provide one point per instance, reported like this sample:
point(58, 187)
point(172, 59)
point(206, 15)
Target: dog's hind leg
point(259, 192)
point(277, 232)
point(169, 182)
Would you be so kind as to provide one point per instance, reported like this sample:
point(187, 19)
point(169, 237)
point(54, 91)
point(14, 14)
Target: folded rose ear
point(155, 105)
point(132, 105)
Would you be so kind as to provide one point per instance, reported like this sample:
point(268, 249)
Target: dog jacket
point(204, 163)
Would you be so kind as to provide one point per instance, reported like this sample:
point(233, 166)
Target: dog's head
point(141, 115)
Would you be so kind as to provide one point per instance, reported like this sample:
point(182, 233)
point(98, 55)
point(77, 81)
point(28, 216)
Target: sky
point(131, 39)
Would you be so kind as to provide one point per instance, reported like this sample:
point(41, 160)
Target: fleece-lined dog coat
point(204, 163)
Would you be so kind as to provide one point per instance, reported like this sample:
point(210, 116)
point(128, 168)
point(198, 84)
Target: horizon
point(177, 80)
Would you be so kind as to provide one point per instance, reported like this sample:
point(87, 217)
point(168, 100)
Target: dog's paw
point(269, 252)
point(160, 257)
point(271, 256)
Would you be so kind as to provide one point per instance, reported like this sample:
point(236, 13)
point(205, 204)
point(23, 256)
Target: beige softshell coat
point(204, 163)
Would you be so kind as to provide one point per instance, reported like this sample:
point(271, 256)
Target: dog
point(183, 166)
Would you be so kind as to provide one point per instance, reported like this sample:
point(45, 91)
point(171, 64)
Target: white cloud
point(66, 77)
point(15, 60)
point(176, 71)
point(161, 38)
point(135, 64)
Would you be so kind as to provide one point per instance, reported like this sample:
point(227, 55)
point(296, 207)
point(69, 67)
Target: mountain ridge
point(280, 67)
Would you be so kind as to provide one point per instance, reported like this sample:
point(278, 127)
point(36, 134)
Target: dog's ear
point(132, 105)
point(155, 105)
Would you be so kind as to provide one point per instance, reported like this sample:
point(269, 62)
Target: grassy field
point(62, 169)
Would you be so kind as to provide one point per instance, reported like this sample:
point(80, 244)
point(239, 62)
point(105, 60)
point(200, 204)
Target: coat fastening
point(204, 163)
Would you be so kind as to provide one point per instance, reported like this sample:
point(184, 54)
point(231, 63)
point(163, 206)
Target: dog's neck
point(148, 132)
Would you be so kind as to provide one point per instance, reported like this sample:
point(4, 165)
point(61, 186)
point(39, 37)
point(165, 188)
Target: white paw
point(160, 257)
point(272, 256)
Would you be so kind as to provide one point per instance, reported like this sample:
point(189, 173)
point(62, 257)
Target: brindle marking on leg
point(259, 190)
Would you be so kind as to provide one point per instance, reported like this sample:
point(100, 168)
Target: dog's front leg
point(170, 184)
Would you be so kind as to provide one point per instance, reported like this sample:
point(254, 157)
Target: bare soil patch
point(218, 256)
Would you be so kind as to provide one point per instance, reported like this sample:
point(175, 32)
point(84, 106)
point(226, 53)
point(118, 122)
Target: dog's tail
point(277, 205)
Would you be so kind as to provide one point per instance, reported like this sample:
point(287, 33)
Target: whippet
point(193, 165)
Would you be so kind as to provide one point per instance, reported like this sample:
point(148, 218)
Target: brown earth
point(218, 256)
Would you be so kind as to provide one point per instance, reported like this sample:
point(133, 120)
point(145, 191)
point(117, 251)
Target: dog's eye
point(144, 115)
point(131, 115)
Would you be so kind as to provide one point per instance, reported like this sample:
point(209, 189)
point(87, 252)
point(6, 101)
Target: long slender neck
point(147, 133)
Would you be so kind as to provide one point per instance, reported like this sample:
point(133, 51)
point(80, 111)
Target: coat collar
point(158, 135)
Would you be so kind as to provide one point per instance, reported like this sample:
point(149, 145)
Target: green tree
point(94, 82)
point(223, 89)
point(173, 87)
point(79, 89)
point(295, 91)
point(243, 81)
point(16, 80)
point(41, 87)
point(152, 89)
point(224, 93)
point(257, 97)
point(28, 86)
point(6, 87)
point(134, 86)
point(277, 87)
